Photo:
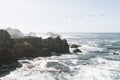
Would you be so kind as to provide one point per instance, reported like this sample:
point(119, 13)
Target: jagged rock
point(11, 49)
point(35, 46)
point(77, 50)
point(56, 45)
point(75, 46)
point(5, 39)
point(6, 48)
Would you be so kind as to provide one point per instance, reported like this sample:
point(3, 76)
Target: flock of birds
point(83, 16)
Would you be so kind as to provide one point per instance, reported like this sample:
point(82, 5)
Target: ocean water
point(96, 62)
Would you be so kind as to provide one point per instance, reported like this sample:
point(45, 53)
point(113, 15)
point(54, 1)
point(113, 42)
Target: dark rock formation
point(11, 49)
point(56, 45)
point(6, 48)
point(115, 53)
point(30, 47)
point(6, 69)
point(34, 46)
point(75, 46)
point(77, 50)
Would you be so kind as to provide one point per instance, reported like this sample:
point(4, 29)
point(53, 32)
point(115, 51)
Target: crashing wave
point(58, 65)
point(53, 35)
point(14, 33)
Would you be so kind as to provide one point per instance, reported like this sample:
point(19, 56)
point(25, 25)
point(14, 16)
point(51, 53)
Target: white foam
point(98, 69)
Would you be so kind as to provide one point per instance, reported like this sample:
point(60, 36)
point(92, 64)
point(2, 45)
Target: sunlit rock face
point(6, 48)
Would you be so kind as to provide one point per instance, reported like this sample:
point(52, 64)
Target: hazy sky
point(61, 15)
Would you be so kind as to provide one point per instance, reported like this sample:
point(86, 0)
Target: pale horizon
point(61, 15)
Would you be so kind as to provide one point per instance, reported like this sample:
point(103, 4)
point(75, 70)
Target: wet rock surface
point(34, 46)
point(74, 46)
point(77, 50)
point(11, 49)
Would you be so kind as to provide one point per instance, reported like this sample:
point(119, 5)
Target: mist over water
point(96, 62)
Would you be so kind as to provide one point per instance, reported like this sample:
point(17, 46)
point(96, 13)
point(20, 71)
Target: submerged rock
point(75, 46)
point(6, 69)
point(77, 50)
point(57, 65)
point(115, 53)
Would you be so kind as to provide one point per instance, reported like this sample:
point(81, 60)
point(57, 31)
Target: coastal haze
point(60, 15)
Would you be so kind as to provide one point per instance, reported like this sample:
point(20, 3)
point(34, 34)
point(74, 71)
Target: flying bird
point(102, 14)
point(66, 16)
point(93, 15)
point(80, 16)
point(89, 16)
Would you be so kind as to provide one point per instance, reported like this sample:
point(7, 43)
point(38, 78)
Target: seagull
point(93, 15)
point(89, 16)
point(66, 16)
point(80, 16)
point(102, 14)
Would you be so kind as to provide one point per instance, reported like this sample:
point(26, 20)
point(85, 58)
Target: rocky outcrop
point(56, 45)
point(34, 46)
point(30, 47)
point(77, 50)
point(74, 46)
point(6, 48)
point(116, 53)
point(11, 49)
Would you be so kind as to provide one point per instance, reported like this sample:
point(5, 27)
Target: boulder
point(77, 50)
point(7, 55)
point(115, 53)
point(75, 46)
point(5, 39)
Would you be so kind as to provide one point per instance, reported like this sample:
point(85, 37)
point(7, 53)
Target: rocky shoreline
point(13, 48)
